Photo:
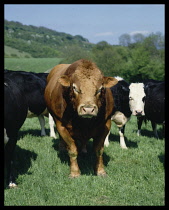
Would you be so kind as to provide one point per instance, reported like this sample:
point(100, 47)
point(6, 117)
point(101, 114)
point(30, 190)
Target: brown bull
point(81, 106)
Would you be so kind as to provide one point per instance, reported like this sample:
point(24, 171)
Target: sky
point(96, 22)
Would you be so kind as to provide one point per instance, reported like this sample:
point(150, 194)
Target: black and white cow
point(15, 112)
point(33, 84)
point(154, 103)
point(121, 113)
point(147, 102)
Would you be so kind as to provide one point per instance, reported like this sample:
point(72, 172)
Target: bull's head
point(136, 97)
point(87, 93)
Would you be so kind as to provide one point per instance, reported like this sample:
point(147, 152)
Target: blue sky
point(96, 22)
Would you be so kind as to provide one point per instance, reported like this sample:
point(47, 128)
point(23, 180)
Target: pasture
point(31, 64)
point(135, 177)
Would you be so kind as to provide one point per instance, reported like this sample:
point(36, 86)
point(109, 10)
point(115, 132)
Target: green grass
point(135, 177)
point(31, 64)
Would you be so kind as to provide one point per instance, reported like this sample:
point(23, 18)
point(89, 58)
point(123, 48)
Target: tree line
point(143, 58)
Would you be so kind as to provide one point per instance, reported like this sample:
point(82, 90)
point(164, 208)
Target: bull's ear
point(64, 80)
point(109, 82)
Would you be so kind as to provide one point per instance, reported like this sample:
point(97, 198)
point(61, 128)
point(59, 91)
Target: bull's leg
point(122, 141)
point(51, 125)
point(42, 124)
point(71, 147)
point(99, 167)
point(98, 146)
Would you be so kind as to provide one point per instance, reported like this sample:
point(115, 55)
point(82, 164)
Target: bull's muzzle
point(87, 111)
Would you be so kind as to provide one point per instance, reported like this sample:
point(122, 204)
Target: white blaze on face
point(136, 99)
point(6, 139)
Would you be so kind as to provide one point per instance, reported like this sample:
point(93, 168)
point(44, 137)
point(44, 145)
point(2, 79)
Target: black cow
point(154, 103)
point(33, 84)
point(121, 113)
point(15, 112)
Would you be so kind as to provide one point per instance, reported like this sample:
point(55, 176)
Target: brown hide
point(81, 105)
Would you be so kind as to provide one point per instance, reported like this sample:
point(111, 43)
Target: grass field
point(31, 64)
point(135, 177)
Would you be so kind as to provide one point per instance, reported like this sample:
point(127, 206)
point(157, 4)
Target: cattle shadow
point(33, 132)
point(86, 161)
point(150, 133)
point(22, 161)
point(129, 143)
point(162, 159)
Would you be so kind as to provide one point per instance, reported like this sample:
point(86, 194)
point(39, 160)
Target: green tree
point(138, 37)
point(74, 53)
point(107, 58)
point(143, 64)
point(125, 40)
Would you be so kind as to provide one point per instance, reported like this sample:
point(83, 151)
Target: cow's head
point(87, 89)
point(136, 96)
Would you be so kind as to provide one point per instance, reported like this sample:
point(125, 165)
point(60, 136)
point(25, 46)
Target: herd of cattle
point(82, 103)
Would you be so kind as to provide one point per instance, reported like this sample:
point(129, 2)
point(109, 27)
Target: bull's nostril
point(84, 109)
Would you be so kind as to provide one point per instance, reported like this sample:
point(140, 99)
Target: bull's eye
point(130, 98)
point(75, 89)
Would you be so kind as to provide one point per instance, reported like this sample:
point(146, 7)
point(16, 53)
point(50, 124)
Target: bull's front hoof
point(74, 175)
point(101, 173)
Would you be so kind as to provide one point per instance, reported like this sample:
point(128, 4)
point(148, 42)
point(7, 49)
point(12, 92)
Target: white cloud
point(104, 34)
point(139, 32)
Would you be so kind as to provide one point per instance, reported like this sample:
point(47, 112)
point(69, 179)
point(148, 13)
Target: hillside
point(14, 53)
point(41, 41)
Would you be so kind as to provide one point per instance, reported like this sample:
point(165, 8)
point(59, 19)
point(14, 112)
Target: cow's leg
point(71, 147)
point(98, 146)
point(42, 124)
point(51, 125)
point(9, 153)
point(139, 123)
point(106, 142)
point(154, 126)
point(122, 141)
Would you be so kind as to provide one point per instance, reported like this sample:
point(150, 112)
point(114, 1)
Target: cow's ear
point(64, 80)
point(109, 82)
